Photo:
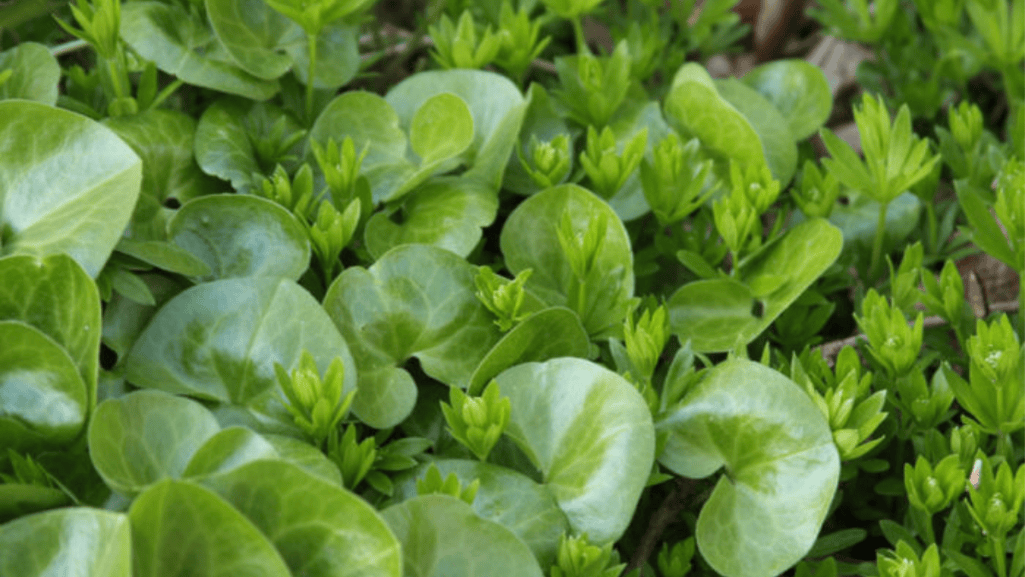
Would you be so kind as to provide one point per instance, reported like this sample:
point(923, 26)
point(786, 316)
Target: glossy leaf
point(164, 255)
point(145, 436)
point(446, 213)
point(778, 143)
point(241, 236)
point(58, 298)
point(495, 104)
point(373, 125)
point(718, 314)
point(219, 341)
point(694, 108)
point(319, 528)
point(530, 240)
point(34, 73)
point(77, 541)
point(67, 184)
point(506, 497)
point(164, 140)
point(590, 434)
point(181, 44)
point(43, 400)
point(540, 121)
point(441, 128)
point(629, 203)
point(233, 447)
point(547, 334)
point(798, 89)
point(859, 217)
point(252, 34)
point(442, 536)
point(781, 466)
point(18, 500)
point(125, 319)
point(172, 517)
point(415, 301)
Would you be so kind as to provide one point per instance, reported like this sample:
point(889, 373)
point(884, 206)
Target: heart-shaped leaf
point(252, 33)
point(798, 89)
point(781, 466)
point(35, 73)
point(416, 301)
point(441, 128)
point(67, 184)
point(590, 434)
point(241, 236)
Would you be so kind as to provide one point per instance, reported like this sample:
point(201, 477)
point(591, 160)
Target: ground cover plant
point(330, 287)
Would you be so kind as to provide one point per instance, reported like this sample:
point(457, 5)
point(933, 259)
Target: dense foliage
point(279, 296)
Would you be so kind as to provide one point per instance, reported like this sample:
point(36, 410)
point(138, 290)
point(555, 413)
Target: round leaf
point(320, 529)
point(506, 497)
point(446, 213)
point(180, 528)
point(34, 73)
point(57, 297)
point(67, 184)
point(441, 536)
point(75, 541)
point(694, 108)
point(43, 400)
point(181, 44)
point(782, 467)
point(164, 140)
point(235, 446)
point(441, 128)
point(416, 301)
point(338, 59)
point(146, 436)
point(530, 240)
point(241, 236)
point(547, 334)
point(798, 89)
point(252, 33)
point(219, 341)
point(590, 434)
point(495, 103)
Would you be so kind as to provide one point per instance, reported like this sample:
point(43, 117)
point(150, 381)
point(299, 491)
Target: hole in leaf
point(758, 309)
point(172, 203)
point(398, 216)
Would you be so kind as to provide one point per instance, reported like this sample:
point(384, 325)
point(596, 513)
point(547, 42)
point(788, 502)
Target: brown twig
point(666, 514)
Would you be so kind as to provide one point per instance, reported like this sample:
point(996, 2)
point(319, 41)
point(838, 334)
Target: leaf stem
point(877, 244)
point(578, 32)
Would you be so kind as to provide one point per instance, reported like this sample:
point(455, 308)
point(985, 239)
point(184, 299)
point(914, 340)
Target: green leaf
point(447, 213)
point(694, 108)
point(164, 255)
point(179, 43)
point(629, 203)
point(781, 466)
point(506, 497)
point(223, 148)
point(986, 231)
point(717, 314)
point(226, 450)
point(374, 126)
point(441, 128)
point(589, 432)
point(80, 540)
point(530, 240)
point(67, 184)
point(415, 301)
point(125, 319)
point(859, 217)
point(145, 436)
point(778, 143)
point(798, 89)
point(547, 334)
point(219, 341)
point(58, 298)
point(442, 536)
point(34, 73)
point(319, 529)
point(338, 59)
point(253, 34)
point(18, 500)
point(44, 401)
point(173, 517)
point(164, 141)
point(540, 121)
point(495, 104)
point(241, 236)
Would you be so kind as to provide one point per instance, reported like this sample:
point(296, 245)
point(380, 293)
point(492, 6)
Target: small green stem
point(877, 245)
point(924, 522)
point(312, 44)
point(930, 219)
point(999, 554)
point(166, 93)
point(578, 32)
